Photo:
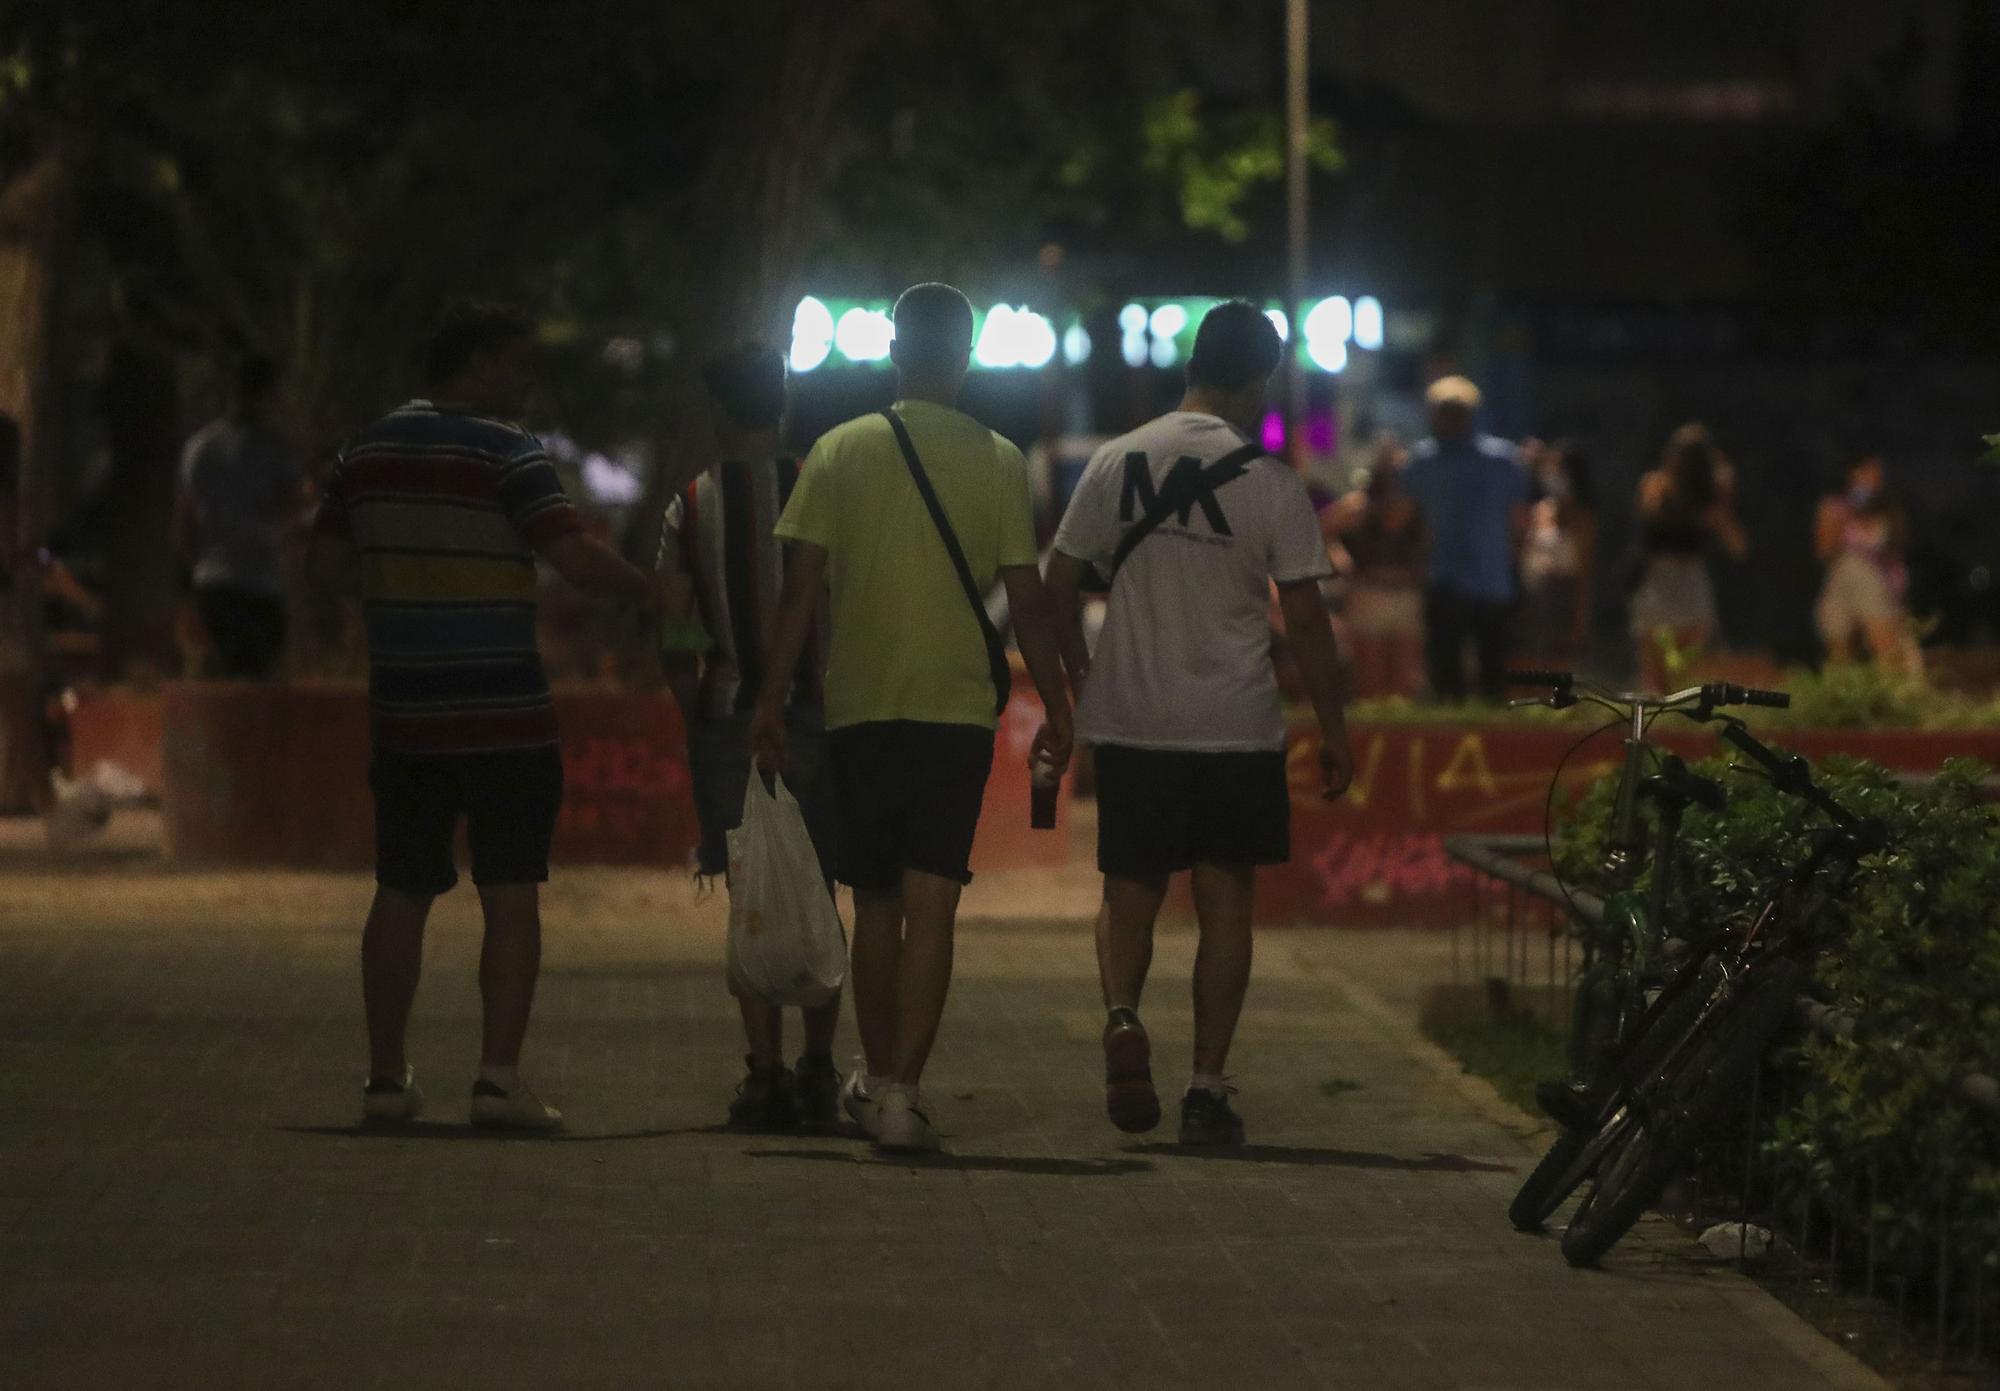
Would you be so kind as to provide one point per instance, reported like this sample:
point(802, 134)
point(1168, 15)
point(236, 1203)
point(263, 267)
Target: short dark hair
point(748, 383)
point(1236, 345)
point(256, 378)
point(468, 328)
point(933, 329)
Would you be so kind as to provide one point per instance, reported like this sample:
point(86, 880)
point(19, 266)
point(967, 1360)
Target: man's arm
point(597, 570)
point(1035, 630)
point(1311, 634)
point(1064, 587)
point(805, 577)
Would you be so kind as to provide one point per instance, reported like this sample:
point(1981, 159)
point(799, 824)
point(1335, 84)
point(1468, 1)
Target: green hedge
point(1915, 957)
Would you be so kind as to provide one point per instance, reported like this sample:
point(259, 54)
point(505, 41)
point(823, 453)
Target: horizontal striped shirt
point(446, 511)
point(719, 535)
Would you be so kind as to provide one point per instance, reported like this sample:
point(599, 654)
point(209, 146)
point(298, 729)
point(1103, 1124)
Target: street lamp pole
point(1297, 69)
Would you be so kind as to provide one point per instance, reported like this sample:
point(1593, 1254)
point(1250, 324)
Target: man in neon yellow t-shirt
point(909, 687)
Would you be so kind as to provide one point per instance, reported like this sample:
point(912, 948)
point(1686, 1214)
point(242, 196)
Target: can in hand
point(1044, 781)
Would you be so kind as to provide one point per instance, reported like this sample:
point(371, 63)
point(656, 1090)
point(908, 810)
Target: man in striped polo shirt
point(718, 540)
point(442, 508)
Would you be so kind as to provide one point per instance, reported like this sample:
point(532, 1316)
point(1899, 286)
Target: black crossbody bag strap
point(1227, 469)
point(996, 651)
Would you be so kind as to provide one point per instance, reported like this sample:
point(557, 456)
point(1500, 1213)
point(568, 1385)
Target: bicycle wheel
point(1565, 1166)
point(1691, 1094)
point(1571, 1158)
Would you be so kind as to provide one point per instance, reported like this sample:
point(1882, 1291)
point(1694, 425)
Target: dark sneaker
point(818, 1089)
point(1129, 1098)
point(1208, 1119)
point(765, 1099)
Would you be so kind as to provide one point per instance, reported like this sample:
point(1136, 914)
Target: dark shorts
point(1160, 811)
point(719, 760)
point(247, 628)
point(509, 801)
point(909, 795)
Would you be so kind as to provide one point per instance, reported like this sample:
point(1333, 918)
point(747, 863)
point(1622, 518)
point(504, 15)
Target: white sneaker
point(905, 1127)
point(520, 1109)
point(390, 1102)
point(865, 1110)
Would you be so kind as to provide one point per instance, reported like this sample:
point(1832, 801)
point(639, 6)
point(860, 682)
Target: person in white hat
point(1474, 498)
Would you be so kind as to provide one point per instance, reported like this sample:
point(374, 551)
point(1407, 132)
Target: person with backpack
point(908, 517)
point(1192, 524)
point(718, 547)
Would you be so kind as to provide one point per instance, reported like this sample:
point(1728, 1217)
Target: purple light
point(1274, 432)
point(1320, 432)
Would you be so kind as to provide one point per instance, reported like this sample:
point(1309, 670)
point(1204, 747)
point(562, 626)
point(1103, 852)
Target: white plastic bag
point(786, 944)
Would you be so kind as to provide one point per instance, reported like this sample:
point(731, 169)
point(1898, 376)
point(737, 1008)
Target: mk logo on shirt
point(1137, 499)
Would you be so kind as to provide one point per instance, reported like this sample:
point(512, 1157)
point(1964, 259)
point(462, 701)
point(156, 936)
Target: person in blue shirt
point(1474, 498)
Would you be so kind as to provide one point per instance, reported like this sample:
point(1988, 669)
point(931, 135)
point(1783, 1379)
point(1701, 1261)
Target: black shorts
point(247, 628)
point(909, 795)
point(509, 801)
point(1160, 811)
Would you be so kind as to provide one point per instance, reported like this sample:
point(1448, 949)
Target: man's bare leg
point(1124, 954)
point(821, 1022)
point(763, 1031)
point(509, 963)
point(1125, 937)
point(875, 967)
point(930, 904)
point(392, 959)
point(1222, 902)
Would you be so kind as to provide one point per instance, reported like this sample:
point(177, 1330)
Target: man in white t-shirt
point(1181, 704)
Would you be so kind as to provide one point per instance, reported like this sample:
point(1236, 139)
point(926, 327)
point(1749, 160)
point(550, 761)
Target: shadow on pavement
point(970, 1163)
point(1340, 1159)
point(450, 1130)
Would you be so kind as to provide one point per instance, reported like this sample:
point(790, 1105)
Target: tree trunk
point(141, 413)
point(34, 219)
point(758, 206)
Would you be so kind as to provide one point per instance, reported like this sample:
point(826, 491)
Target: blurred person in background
point(1474, 500)
point(1861, 535)
point(1383, 532)
point(729, 571)
point(1685, 506)
point(1559, 558)
point(241, 486)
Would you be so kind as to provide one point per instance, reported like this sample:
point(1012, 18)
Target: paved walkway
point(183, 1202)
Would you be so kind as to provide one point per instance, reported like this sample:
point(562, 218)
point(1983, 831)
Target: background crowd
point(1452, 557)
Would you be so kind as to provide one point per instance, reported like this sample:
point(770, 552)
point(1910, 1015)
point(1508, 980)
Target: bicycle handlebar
point(1728, 694)
point(1565, 689)
point(1789, 773)
point(1556, 679)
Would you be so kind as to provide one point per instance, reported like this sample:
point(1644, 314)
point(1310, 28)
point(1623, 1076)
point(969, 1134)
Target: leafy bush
point(1915, 958)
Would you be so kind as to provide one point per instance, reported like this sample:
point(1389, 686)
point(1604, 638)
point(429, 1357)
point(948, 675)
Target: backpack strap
point(1191, 490)
point(996, 651)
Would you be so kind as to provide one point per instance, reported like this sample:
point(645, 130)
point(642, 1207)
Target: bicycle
point(1625, 949)
point(1699, 1041)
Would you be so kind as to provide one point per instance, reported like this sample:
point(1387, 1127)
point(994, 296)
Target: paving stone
point(185, 1200)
